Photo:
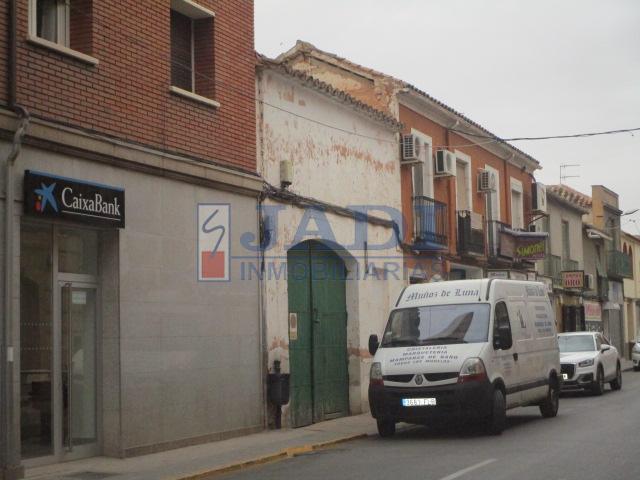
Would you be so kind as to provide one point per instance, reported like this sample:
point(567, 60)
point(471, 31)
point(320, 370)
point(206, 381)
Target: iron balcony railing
point(553, 269)
point(619, 264)
point(603, 288)
point(470, 233)
point(569, 265)
point(430, 221)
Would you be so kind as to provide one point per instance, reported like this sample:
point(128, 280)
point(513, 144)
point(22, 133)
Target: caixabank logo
point(213, 242)
point(78, 200)
point(44, 197)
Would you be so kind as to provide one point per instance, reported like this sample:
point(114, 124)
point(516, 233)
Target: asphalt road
point(591, 438)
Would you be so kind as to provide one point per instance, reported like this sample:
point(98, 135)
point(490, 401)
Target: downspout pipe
point(6, 335)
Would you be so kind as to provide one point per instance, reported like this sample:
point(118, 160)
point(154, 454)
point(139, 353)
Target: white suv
point(587, 361)
point(635, 355)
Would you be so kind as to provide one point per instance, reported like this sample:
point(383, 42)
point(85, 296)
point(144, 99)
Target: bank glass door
point(59, 343)
point(78, 373)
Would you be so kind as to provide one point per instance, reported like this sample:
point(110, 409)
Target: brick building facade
point(121, 311)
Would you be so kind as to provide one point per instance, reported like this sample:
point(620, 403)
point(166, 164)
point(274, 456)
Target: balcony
point(552, 268)
point(430, 221)
point(569, 265)
point(470, 233)
point(619, 265)
point(603, 288)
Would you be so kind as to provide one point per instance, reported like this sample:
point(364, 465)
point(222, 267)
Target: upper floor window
point(52, 20)
point(463, 182)
point(63, 25)
point(517, 204)
point(192, 49)
point(423, 171)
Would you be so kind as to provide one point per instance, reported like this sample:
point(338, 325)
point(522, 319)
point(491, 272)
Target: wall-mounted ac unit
point(411, 149)
point(445, 163)
point(589, 281)
point(539, 198)
point(486, 181)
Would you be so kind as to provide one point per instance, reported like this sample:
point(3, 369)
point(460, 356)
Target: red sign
point(573, 279)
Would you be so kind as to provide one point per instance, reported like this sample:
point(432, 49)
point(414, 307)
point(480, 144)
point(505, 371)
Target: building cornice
point(64, 139)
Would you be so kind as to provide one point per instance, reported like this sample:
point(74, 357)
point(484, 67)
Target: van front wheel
point(549, 408)
point(497, 421)
point(386, 427)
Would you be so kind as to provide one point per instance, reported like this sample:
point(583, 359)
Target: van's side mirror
point(503, 340)
point(374, 343)
point(604, 348)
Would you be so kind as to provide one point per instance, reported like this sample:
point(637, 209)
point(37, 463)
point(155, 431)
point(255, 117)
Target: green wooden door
point(318, 357)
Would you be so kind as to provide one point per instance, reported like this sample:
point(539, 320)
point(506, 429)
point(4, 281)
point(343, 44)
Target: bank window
point(63, 23)
point(192, 49)
point(78, 251)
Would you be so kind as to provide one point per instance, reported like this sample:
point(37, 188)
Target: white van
point(469, 348)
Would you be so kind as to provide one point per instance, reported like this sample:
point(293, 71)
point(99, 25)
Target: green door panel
point(318, 357)
point(298, 282)
point(329, 314)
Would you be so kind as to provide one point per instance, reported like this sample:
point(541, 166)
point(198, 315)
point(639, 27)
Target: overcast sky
point(519, 68)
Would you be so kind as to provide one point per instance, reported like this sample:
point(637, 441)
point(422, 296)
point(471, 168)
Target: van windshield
point(437, 325)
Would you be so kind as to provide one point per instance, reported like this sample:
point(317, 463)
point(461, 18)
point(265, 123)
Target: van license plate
point(565, 376)
point(418, 402)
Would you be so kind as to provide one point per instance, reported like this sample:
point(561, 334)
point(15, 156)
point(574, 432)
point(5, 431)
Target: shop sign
point(592, 311)
point(52, 196)
point(213, 242)
point(507, 245)
point(529, 248)
point(501, 274)
point(573, 279)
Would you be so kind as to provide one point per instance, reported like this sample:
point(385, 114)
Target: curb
point(272, 457)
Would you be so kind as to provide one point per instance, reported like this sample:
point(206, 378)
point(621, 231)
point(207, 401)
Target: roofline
point(306, 48)
point(338, 95)
point(568, 203)
point(511, 151)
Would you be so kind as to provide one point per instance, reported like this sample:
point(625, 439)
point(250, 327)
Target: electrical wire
point(489, 138)
point(551, 137)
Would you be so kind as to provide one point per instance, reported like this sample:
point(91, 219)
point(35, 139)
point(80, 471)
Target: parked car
point(588, 361)
point(635, 355)
point(469, 348)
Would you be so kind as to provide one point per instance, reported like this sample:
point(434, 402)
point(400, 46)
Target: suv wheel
point(598, 385)
point(617, 383)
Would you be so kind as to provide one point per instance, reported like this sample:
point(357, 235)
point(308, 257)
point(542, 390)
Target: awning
point(524, 233)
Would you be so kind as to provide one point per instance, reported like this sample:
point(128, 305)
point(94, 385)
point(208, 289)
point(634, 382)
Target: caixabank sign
point(53, 196)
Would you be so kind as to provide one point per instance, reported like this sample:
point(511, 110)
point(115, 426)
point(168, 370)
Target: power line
point(490, 138)
point(552, 137)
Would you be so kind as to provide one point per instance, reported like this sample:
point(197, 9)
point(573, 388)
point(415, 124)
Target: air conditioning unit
point(486, 181)
point(539, 198)
point(445, 163)
point(589, 281)
point(411, 149)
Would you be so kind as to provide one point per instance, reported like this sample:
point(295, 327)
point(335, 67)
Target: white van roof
point(463, 291)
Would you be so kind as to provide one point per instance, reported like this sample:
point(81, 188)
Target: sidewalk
point(200, 461)
point(626, 364)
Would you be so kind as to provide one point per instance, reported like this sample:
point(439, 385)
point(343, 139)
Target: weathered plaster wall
point(338, 168)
